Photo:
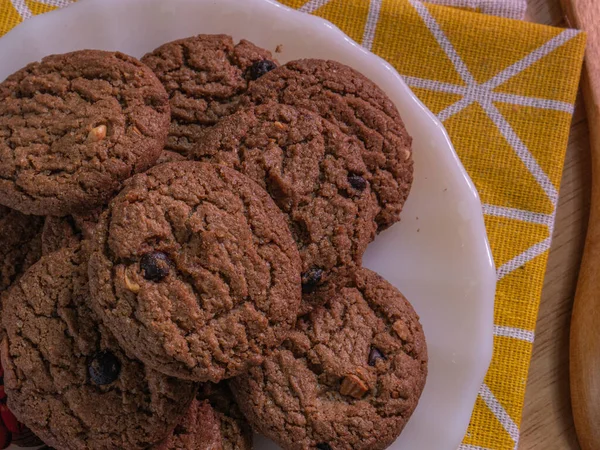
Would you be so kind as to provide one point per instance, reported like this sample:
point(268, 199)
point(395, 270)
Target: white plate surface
point(438, 255)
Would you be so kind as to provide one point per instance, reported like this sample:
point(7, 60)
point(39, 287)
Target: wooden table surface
point(547, 421)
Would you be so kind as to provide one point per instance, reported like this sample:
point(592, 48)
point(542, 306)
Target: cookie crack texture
point(232, 284)
point(51, 337)
point(355, 104)
point(306, 164)
point(20, 244)
point(204, 76)
point(74, 127)
point(235, 430)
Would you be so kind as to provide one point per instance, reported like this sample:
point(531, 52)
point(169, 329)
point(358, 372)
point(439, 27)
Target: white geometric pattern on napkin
point(26, 13)
point(513, 9)
point(484, 95)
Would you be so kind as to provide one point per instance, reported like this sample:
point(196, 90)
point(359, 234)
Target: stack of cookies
point(182, 241)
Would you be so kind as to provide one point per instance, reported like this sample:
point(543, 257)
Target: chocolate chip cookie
point(195, 271)
point(74, 126)
point(204, 76)
point(66, 377)
point(313, 172)
point(211, 423)
point(348, 376)
point(361, 109)
point(20, 244)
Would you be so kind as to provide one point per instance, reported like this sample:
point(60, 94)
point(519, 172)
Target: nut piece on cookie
point(97, 134)
point(195, 271)
point(353, 386)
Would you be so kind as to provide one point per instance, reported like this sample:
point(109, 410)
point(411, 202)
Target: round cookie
point(361, 109)
point(195, 271)
point(313, 172)
point(74, 126)
point(212, 422)
point(20, 244)
point(348, 376)
point(204, 76)
point(65, 376)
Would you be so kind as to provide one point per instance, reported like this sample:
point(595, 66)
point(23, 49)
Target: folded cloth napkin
point(505, 91)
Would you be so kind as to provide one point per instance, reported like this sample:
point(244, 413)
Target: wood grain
point(585, 323)
point(547, 422)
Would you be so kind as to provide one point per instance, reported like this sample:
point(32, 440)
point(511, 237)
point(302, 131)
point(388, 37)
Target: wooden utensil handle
point(585, 322)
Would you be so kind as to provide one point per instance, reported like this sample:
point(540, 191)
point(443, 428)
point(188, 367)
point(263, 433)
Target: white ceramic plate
point(438, 255)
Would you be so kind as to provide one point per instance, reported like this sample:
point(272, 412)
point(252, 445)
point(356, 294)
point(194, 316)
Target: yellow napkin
point(505, 91)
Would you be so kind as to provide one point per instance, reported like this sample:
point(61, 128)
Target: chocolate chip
point(374, 355)
point(324, 446)
point(311, 279)
point(357, 182)
point(259, 68)
point(155, 266)
point(104, 368)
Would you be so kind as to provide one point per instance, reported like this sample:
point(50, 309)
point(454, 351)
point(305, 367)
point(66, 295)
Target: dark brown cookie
point(25, 438)
point(204, 76)
point(20, 244)
point(361, 109)
point(348, 376)
point(68, 231)
point(166, 156)
point(199, 429)
point(314, 173)
point(65, 376)
point(74, 126)
point(195, 271)
point(213, 422)
point(236, 432)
